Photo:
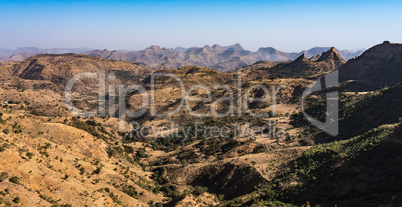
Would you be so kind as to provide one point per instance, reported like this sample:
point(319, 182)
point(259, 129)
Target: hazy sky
point(134, 25)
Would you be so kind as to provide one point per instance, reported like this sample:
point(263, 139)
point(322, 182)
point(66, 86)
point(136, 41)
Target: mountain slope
point(377, 67)
point(332, 57)
point(60, 68)
point(353, 172)
point(222, 58)
point(50, 157)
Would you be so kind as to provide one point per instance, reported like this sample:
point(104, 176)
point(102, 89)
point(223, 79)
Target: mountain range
point(22, 53)
point(222, 58)
point(54, 158)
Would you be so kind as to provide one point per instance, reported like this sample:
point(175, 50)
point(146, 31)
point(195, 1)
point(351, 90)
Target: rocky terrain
point(51, 157)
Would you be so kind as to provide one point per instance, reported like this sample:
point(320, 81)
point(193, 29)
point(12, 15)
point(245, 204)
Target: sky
point(287, 25)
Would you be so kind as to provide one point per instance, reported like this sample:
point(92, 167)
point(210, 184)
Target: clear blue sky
point(133, 25)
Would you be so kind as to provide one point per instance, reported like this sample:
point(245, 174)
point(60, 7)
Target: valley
point(222, 131)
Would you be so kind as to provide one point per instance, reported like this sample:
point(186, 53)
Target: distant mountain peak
point(301, 58)
point(331, 54)
point(269, 50)
point(179, 49)
point(314, 58)
point(153, 47)
point(237, 46)
point(216, 46)
point(207, 48)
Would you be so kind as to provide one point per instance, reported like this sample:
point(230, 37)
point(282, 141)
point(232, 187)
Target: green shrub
point(98, 170)
point(130, 190)
point(30, 155)
point(3, 176)
point(82, 170)
point(259, 149)
point(16, 200)
point(306, 142)
point(15, 180)
point(141, 153)
point(199, 190)
point(128, 149)
point(6, 131)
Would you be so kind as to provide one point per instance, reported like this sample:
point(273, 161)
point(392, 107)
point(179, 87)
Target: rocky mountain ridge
point(222, 58)
point(53, 158)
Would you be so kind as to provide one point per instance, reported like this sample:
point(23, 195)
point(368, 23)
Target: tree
point(98, 170)
point(141, 153)
point(3, 176)
point(6, 131)
point(15, 180)
point(16, 200)
point(199, 190)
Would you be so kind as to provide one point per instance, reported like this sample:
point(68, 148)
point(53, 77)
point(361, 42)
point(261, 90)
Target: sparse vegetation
point(16, 200)
point(199, 190)
point(97, 163)
point(15, 179)
point(97, 170)
point(6, 131)
point(29, 155)
point(3, 176)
